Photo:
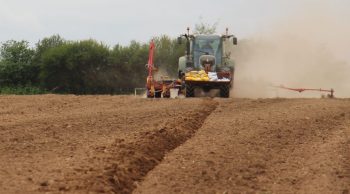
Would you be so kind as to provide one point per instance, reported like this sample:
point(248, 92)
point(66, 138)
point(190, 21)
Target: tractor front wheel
point(158, 94)
point(225, 91)
point(189, 90)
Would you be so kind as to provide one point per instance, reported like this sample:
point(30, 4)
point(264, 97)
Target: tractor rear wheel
point(225, 91)
point(189, 90)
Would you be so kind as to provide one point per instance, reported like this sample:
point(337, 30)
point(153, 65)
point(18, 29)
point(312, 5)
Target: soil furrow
point(296, 146)
point(129, 159)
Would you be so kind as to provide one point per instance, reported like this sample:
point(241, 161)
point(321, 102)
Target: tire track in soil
point(130, 159)
point(297, 146)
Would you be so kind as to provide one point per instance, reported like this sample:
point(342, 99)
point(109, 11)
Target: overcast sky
point(120, 21)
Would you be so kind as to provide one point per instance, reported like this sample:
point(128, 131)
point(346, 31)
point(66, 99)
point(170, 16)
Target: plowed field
point(124, 144)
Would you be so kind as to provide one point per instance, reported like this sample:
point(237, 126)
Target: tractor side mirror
point(179, 40)
point(234, 41)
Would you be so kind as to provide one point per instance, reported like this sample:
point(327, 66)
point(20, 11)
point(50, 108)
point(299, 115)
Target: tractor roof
point(211, 36)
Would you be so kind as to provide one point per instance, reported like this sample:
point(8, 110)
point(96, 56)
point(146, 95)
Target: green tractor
point(206, 65)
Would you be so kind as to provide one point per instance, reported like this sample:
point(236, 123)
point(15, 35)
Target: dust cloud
point(309, 49)
point(161, 73)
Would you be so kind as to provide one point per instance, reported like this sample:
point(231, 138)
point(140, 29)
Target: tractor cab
point(206, 50)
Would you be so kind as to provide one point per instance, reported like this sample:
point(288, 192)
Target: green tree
point(46, 44)
point(16, 52)
point(74, 67)
point(16, 66)
point(84, 66)
point(205, 28)
point(129, 63)
point(167, 54)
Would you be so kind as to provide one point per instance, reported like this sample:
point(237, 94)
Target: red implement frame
point(331, 91)
point(150, 81)
point(157, 88)
point(150, 59)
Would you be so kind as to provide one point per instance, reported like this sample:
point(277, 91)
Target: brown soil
point(122, 144)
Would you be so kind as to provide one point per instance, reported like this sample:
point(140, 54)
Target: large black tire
point(189, 91)
point(157, 94)
point(225, 91)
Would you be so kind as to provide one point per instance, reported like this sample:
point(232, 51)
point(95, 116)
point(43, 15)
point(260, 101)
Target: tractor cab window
point(207, 45)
